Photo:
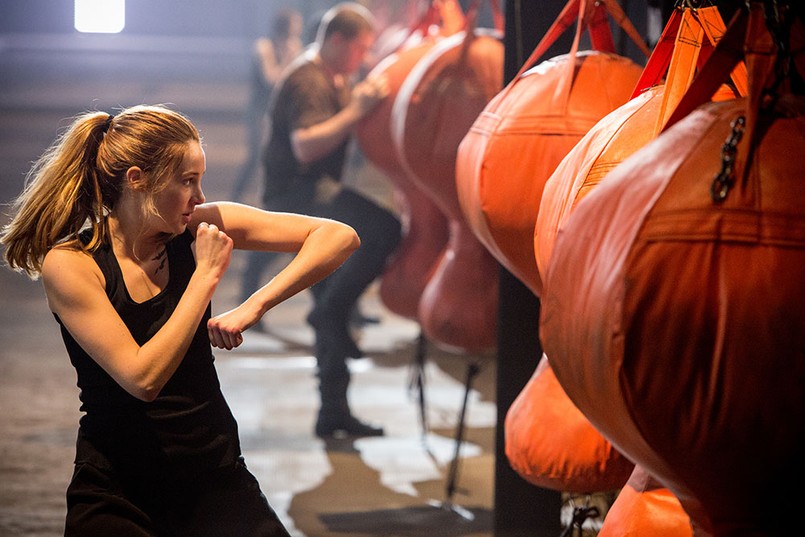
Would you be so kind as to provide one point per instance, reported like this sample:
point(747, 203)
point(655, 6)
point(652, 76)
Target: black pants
point(336, 296)
point(228, 503)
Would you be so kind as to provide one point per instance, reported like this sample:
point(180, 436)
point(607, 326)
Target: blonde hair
point(79, 179)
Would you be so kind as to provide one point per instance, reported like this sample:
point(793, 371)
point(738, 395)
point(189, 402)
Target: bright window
point(100, 16)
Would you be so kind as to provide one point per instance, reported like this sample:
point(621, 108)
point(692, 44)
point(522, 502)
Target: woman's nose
point(199, 196)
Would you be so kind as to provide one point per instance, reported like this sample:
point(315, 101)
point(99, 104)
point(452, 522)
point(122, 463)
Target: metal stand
point(580, 515)
point(452, 476)
point(416, 383)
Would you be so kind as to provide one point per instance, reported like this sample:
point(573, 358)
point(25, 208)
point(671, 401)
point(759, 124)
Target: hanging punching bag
point(425, 228)
point(644, 507)
point(686, 43)
point(673, 307)
point(548, 441)
point(435, 106)
point(552, 445)
point(525, 131)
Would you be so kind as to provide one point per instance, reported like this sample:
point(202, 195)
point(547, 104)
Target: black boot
point(343, 427)
point(335, 419)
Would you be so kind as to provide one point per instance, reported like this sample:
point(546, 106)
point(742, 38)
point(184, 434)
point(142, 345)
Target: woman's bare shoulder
point(67, 268)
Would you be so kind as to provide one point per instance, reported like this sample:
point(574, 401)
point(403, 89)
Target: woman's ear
point(135, 178)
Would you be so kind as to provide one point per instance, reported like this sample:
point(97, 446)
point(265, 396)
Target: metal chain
point(779, 16)
point(724, 179)
point(693, 4)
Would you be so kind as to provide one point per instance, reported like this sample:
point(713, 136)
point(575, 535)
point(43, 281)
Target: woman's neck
point(134, 240)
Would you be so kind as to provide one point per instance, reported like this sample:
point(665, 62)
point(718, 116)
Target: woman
point(113, 218)
point(271, 55)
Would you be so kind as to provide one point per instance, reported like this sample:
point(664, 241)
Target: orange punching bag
point(685, 44)
point(548, 441)
point(439, 17)
point(433, 109)
point(644, 507)
point(425, 228)
point(552, 445)
point(673, 307)
point(525, 131)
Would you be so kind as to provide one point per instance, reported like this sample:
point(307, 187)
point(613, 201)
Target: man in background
point(314, 111)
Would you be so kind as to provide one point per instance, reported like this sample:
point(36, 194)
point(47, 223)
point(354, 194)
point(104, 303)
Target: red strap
point(761, 55)
point(451, 15)
point(432, 16)
point(429, 18)
point(567, 16)
point(747, 37)
point(714, 28)
point(497, 15)
point(598, 26)
point(660, 59)
point(561, 95)
point(590, 14)
point(682, 67)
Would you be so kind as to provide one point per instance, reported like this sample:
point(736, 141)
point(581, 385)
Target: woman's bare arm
point(321, 246)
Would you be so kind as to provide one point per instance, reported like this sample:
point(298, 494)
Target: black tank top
point(188, 428)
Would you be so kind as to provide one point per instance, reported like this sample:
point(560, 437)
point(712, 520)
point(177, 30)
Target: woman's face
point(177, 201)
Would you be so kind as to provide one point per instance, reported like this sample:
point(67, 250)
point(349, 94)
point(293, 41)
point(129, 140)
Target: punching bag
point(525, 131)
point(502, 162)
point(686, 43)
point(425, 228)
point(673, 307)
point(435, 106)
point(644, 507)
point(552, 445)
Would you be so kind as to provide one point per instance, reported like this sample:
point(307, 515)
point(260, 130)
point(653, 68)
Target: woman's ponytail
point(80, 179)
point(62, 194)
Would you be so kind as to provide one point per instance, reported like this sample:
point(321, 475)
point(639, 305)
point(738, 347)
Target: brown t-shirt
point(306, 96)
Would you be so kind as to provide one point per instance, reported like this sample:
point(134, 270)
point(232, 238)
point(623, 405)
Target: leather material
point(425, 228)
point(686, 42)
point(674, 322)
point(551, 444)
point(606, 145)
point(513, 146)
point(644, 507)
point(522, 135)
point(434, 108)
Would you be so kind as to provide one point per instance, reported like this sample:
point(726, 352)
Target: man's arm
point(312, 143)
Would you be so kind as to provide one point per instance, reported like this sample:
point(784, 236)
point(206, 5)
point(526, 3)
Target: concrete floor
point(391, 486)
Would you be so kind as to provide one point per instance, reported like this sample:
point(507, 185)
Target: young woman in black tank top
point(115, 221)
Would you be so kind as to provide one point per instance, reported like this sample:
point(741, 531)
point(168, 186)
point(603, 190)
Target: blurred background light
point(100, 16)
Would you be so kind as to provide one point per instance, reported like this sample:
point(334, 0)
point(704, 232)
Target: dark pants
point(228, 503)
point(336, 296)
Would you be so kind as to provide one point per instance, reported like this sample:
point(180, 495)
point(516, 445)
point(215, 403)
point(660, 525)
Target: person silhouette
point(271, 55)
point(314, 111)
